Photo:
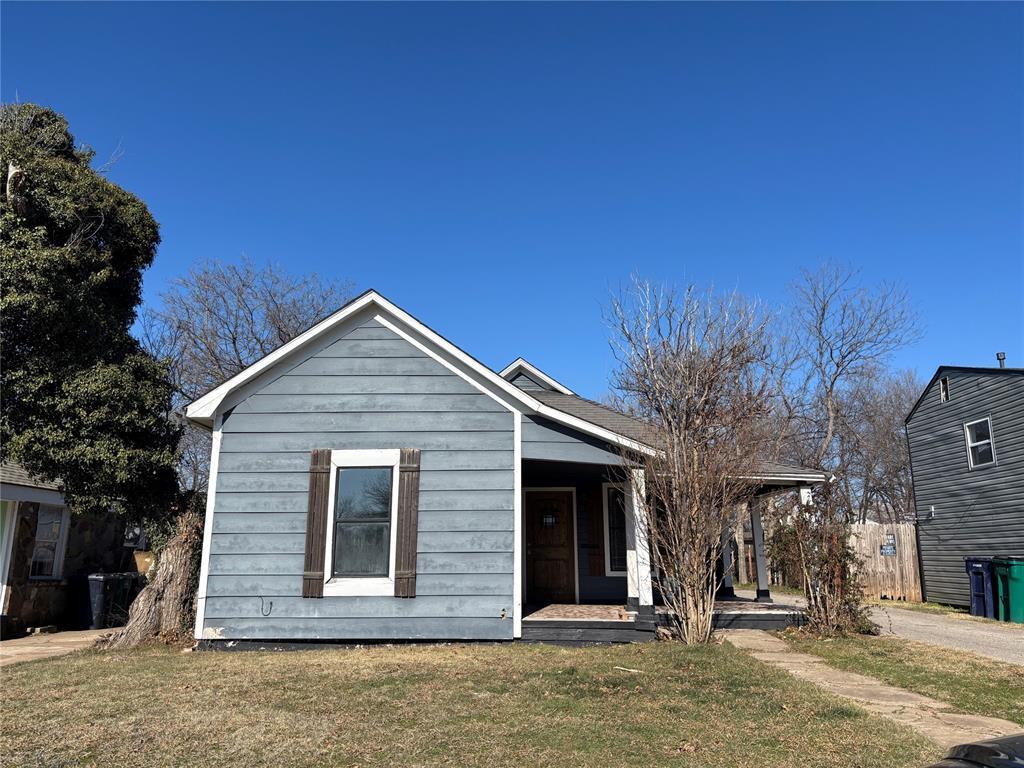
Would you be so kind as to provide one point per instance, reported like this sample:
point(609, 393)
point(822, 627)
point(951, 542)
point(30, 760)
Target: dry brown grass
point(466, 705)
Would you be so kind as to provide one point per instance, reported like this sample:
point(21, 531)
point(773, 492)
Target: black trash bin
point(110, 595)
point(979, 570)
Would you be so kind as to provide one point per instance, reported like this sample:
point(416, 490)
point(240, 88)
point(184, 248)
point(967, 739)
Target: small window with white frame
point(944, 390)
point(614, 529)
point(981, 451)
point(51, 541)
point(361, 535)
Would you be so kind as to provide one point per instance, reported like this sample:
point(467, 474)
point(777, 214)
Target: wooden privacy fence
point(889, 560)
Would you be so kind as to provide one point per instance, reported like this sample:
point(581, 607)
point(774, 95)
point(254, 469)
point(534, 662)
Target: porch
point(586, 568)
point(582, 624)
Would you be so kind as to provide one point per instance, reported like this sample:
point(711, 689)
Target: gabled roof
point(960, 368)
point(204, 409)
point(521, 365)
point(559, 405)
point(15, 474)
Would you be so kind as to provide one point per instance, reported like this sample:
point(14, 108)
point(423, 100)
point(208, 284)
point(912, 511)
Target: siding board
point(547, 441)
point(430, 606)
point(447, 628)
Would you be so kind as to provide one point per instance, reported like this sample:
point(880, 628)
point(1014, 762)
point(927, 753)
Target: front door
point(549, 547)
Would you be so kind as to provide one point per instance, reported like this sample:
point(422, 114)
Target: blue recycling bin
point(979, 571)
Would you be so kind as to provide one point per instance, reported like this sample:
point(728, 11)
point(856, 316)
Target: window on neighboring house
point(51, 537)
point(614, 530)
point(943, 389)
point(980, 450)
point(360, 539)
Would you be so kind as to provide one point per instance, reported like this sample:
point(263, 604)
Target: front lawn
point(463, 705)
point(970, 683)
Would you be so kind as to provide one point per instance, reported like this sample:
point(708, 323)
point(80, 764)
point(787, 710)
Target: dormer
point(529, 377)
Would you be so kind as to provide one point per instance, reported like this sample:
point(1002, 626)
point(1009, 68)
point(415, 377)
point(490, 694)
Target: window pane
point(981, 454)
point(362, 493)
point(42, 560)
point(616, 529)
point(361, 549)
point(979, 431)
point(48, 523)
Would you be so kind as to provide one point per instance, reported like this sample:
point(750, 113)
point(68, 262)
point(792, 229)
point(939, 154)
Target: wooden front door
point(549, 547)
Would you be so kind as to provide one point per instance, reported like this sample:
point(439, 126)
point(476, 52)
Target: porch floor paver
point(45, 646)
point(574, 612)
point(930, 717)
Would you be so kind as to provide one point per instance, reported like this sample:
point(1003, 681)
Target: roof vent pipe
point(1001, 357)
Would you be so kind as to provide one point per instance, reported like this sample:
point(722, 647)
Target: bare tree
point(837, 333)
point(211, 324)
point(839, 412)
point(219, 319)
point(873, 462)
point(693, 366)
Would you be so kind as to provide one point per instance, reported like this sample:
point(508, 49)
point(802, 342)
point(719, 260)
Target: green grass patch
point(933, 608)
point(465, 705)
point(973, 684)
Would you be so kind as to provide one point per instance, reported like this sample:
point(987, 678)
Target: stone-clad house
point(46, 554)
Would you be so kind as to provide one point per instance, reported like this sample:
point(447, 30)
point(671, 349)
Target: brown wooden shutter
point(316, 522)
point(408, 522)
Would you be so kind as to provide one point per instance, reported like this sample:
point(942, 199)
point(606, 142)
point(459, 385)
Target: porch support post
point(638, 548)
point(726, 589)
point(763, 595)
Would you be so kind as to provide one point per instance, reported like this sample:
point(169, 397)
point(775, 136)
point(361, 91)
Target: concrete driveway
point(45, 646)
point(996, 640)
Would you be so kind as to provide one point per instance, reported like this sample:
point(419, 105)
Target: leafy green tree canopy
point(83, 403)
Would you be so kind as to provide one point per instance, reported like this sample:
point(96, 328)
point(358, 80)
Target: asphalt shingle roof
point(635, 429)
point(15, 474)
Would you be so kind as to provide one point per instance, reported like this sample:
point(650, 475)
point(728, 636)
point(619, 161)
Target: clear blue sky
point(499, 169)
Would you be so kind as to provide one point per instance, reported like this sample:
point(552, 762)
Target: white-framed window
point(363, 504)
point(981, 451)
point(614, 495)
point(51, 542)
point(944, 390)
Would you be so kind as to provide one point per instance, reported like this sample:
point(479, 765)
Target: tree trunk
point(165, 608)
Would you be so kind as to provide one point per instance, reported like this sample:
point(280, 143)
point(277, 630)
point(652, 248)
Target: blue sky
point(499, 170)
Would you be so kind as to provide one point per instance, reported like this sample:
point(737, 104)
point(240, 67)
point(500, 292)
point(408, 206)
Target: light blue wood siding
point(364, 388)
point(548, 441)
point(978, 512)
point(527, 383)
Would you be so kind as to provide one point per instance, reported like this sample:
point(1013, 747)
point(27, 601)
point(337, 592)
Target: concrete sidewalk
point(45, 646)
point(929, 717)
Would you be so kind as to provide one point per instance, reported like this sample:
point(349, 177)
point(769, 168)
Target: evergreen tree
point(82, 402)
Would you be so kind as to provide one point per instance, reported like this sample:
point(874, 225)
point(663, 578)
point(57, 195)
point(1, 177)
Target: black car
point(1007, 752)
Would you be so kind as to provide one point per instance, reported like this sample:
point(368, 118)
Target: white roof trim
point(203, 409)
point(808, 477)
point(521, 364)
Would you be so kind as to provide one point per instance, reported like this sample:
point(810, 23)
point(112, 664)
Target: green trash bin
point(1008, 588)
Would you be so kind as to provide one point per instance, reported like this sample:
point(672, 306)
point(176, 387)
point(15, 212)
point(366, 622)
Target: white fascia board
point(521, 364)
point(204, 409)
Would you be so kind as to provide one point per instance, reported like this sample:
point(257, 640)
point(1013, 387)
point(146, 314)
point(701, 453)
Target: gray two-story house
point(966, 440)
